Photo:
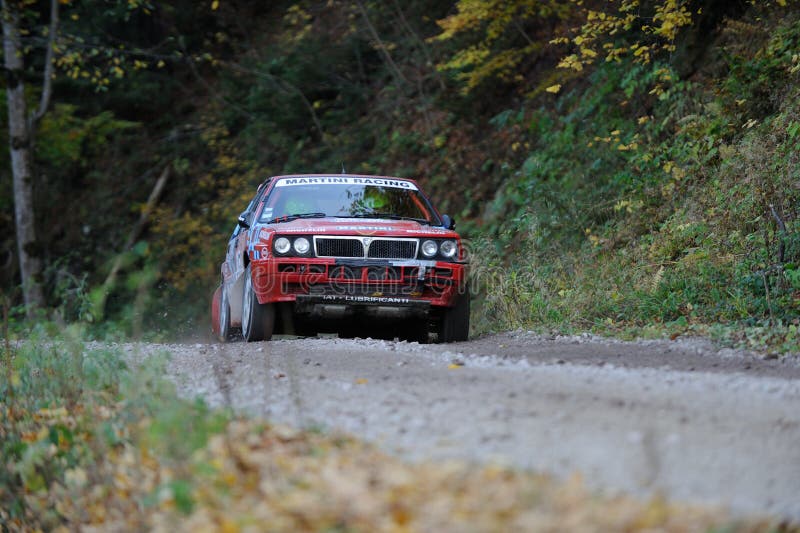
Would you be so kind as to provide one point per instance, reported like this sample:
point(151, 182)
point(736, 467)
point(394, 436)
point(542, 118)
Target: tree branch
point(381, 46)
point(49, 66)
point(152, 200)
point(421, 44)
point(284, 86)
point(782, 227)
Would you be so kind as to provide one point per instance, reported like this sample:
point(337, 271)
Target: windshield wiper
point(295, 216)
point(390, 216)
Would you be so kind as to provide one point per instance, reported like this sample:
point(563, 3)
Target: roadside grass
point(627, 298)
point(91, 441)
point(623, 299)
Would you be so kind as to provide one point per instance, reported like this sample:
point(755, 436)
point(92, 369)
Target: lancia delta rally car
point(356, 255)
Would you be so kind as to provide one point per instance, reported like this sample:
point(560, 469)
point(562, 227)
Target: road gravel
point(680, 418)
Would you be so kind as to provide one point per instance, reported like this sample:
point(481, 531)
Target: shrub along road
point(679, 418)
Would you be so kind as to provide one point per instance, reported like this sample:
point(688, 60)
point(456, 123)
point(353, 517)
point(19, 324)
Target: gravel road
point(681, 418)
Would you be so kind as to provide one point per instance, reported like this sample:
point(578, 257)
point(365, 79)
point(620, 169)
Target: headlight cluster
point(444, 248)
point(284, 245)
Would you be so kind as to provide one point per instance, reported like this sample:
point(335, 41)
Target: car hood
point(380, 227)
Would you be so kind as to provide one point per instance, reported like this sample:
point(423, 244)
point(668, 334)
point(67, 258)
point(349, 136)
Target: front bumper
point(358, 283)
point(346, 306)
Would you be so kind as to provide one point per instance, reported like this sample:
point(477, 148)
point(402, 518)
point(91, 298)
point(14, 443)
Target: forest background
point(625, 167)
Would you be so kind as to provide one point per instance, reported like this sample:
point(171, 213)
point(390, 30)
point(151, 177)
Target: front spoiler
point(344, 306)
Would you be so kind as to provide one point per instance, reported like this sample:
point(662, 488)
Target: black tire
point(226, 333)
point(258, 320)
point(454, 325)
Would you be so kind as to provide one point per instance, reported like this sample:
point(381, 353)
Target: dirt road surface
point(681, 418)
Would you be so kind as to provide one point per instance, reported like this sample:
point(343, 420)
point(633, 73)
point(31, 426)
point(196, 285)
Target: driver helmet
point(375, 199)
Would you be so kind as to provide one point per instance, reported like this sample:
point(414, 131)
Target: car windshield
point(346, 196)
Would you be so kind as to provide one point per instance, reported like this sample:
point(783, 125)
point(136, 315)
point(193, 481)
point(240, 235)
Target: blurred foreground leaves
point(258, 477)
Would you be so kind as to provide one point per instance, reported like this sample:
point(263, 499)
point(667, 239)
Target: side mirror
point(448, 222)
point(242, 220)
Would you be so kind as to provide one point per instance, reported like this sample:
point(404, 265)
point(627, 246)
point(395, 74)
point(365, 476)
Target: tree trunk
point(19, 134)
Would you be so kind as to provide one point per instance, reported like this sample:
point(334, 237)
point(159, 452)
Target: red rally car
point(357, 255)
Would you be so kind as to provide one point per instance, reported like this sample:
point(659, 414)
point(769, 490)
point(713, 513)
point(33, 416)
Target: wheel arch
point(235, 293)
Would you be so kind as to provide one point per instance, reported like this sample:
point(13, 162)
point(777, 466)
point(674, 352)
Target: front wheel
point(454, 326)
point(258, 320)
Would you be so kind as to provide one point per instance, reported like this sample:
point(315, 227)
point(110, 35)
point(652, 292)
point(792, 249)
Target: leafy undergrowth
point(89, 444)
point(670, 216)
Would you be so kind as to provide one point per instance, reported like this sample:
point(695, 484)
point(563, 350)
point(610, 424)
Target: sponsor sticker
point(346, 180)
point(326, 229)
point(365, 228)
point(366, 299)
point(429, 231)
point(310, 229)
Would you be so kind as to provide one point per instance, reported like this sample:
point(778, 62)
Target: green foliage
point(71, 416)
point(69, 140)
point(667, 218)
point(510, 33)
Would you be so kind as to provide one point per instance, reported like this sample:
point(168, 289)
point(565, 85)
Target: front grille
point(332, 247)
point(377, 247)
point(392, 249)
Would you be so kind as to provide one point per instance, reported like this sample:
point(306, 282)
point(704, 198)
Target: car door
point(240, 239)
point(229, 265)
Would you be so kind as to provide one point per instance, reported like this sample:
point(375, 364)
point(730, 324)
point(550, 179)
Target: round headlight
point(448, 249)
point(301, 245)
point(429, 248)
point(282, 245)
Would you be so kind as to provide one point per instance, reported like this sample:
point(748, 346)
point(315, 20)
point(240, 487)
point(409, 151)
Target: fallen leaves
point(272, 477)
point(253, 476)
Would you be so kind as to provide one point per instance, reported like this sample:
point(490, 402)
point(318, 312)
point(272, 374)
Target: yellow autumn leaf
point(554, 88)
point(362, 381)
point(214, 5)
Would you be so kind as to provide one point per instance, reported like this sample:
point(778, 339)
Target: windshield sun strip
point(422, 202)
